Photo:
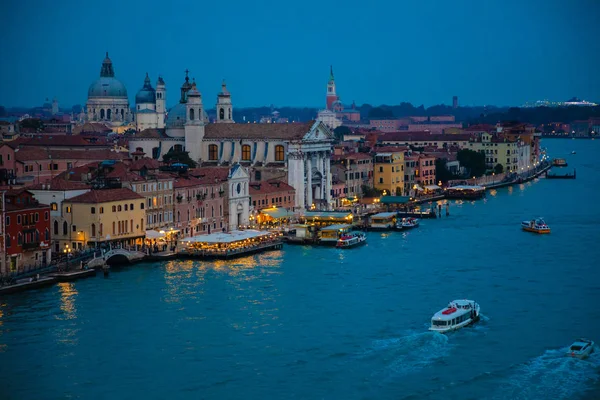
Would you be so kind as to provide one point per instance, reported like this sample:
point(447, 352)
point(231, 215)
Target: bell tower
point(224, 106)
point(161, 101)
point(194, 123)
point(331, 95)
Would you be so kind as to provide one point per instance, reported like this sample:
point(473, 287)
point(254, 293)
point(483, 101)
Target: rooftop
point(258, 131)
point(105, 196)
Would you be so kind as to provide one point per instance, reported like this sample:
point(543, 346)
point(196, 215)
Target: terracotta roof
point(480, 128)
point(210, 174)
point(60, 184)
point(257, 131)
point(105, 196)
point(352, 156)
point(186, 181)
point(91, 127)
point(269, 187)
point(149, 163)
point(123, 172)
point(37, 154)
point(409, 136)
point(150, 133)
point(61, 140)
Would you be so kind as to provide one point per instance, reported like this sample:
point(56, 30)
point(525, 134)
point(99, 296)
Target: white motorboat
point(458, 314)
point(351, 240)
point(581, 349)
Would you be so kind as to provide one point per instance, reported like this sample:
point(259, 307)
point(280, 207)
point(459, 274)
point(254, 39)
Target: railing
point(31, 246)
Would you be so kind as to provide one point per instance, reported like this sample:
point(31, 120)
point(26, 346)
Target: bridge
point(116, 256)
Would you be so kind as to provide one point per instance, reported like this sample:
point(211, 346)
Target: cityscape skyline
point(286, 63)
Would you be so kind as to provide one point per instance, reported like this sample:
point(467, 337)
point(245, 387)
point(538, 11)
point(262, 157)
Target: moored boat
point(536, 226)
point(351, 240)
point(458, 314)
point(559, 162)
point(581, 349)
point(407, 223)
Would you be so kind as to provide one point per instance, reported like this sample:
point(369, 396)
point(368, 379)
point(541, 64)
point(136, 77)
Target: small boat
point(536, 226)
point(458, 314)
point(573, 152)
point(581, 349)
point(559, 162)
point(349, 240)
point(407, 223)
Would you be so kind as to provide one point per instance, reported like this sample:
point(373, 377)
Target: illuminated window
point(279, 153)
point(212, 152)
point(246, 152)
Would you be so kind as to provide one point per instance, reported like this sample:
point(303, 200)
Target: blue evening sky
point(501, 52)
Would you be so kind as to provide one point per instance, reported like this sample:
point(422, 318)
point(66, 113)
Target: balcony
point(31, 246)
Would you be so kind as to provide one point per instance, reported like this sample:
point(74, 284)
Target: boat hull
point(534, 230)
point(456, 327)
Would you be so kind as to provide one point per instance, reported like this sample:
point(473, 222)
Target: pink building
point(388, 125)
point(425, 171)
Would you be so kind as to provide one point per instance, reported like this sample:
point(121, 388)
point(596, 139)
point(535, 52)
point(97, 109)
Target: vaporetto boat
point(458, 314)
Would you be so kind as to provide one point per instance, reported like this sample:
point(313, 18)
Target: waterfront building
point(200, 205)
point(411, 163)
point(514, 131)
point(107, 98)
point(105, 216)
point(425, 139)
point(54, 193)
point(389, 172)
point(513, 155)
point(425, 170)
point(355, 170)
point(27, 232)
point(299, 151)
point(271, 194)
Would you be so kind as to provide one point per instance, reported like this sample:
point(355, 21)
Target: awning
point(394, 199)
point(432, 187)
point(419, 188)
point(154, 234)
point(277, 213)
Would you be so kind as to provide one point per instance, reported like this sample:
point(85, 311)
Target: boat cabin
point(384, 220)
point(332, 233)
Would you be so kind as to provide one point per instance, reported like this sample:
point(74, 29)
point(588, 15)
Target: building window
point(47, 234)
point(126, 207)
point(119, 208)
point(114, 208)
point(7, 220)
point(56, 227)
point(74, 228)
point(279, 153)
point(7, 241)
point(18, 220)
point(246, 152)
point(191, 114)
point(101, 210)
point(141, 206)
point(68, 210)
point(19, 239)
point(114, 226)
point(46, 215)
point(131, 207)
point(93, 210)
point(65, 228)
point(54, 207)
point(100, 230)
point(212, 152)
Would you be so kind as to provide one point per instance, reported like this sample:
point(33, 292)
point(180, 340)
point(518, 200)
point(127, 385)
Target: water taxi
point(349, 240)
point(535, 226)
point(407, 223)
point(581, 349)
point(559, 162)
point(458, 314)
point(573, 152)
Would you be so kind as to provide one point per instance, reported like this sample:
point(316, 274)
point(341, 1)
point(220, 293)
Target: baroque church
point(298, 153)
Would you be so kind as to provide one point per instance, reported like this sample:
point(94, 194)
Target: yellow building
point(498, 151)
point(102, 216)
point(389, 172)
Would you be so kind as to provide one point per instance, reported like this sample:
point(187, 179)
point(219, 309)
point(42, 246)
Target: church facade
point(299, 153)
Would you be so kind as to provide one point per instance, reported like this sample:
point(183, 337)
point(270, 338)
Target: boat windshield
point(438, 323)
point(576, 348)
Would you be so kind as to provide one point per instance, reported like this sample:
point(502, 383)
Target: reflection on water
point(68, 294)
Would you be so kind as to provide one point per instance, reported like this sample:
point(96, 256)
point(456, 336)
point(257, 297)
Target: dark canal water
point(317, 323)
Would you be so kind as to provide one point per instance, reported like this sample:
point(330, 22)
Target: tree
point(182, 157)
point(499, 168)
point(382, 112)
point(32, 123)
point(2, 111)
point(441, 171)
point(474, 161)
point(370, 192)
point(340, 131)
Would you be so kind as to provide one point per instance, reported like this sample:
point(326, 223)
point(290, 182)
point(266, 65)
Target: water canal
point(321, 323)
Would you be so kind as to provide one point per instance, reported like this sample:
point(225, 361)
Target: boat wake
point(407, 354)
point(551, 376)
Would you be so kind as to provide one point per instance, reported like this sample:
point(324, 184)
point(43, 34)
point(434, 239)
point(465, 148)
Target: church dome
point(107, 87)
point(176, 116)
point(146, 94)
